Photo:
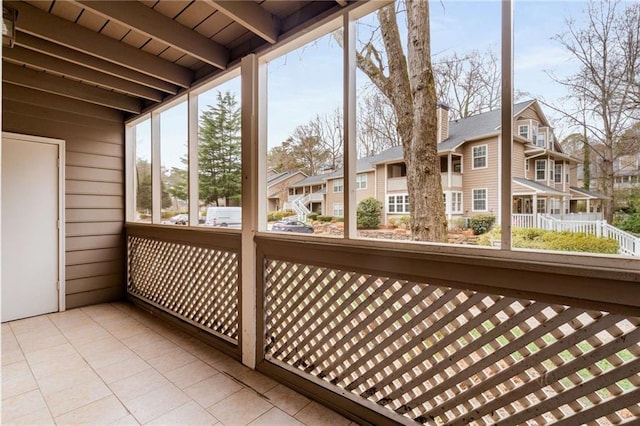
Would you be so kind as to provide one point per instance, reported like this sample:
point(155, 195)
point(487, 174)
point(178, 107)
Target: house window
point(398, 203)
point(541, 169)
point(338, 185)
point(338, 209)
point(523, 131)
point(558, 174)
point(480, 157)
point(361, 181)
point(552, 168)
point(542, 205)
point(479, 200)
point(555, 206)
point(456, 202)
point(540, 139)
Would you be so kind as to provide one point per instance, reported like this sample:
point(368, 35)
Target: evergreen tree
point(219, 151)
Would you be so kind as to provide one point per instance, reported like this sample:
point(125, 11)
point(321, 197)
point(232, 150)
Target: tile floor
point(114, 364)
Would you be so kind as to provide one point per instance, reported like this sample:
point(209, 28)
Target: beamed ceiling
point(130, 55)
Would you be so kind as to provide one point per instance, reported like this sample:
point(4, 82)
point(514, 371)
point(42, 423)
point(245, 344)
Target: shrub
point(368, 213)
point(629, 223)
point(397, 221)
point(540, 239)
point(325, 218)
point(482, 223)
point(338, 219)
point(279, 215)
point(313, 216)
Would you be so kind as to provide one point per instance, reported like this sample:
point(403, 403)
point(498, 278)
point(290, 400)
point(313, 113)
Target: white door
point(30, 235)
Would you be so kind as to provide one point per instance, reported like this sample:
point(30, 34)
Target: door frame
point(60, 143)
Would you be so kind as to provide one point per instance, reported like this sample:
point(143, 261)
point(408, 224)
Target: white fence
point(628, 244)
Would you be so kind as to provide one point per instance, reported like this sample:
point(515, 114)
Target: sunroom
point(120, 116)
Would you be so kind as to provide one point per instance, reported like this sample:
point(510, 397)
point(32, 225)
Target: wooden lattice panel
point(194, 283)
point(445, 356)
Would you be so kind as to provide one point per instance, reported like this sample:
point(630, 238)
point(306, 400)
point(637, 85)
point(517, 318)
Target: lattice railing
point(438, 355)
point(197, 284)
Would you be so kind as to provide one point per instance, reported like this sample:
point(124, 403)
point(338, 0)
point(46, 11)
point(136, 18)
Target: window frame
point(473, 200)
point(339, 184)
point(557, 175)
point(340, 207)
point(404, 203)
point(543, 170)
point(459, 202)
point(361, 181)
point(526, 134)
point(485, 156)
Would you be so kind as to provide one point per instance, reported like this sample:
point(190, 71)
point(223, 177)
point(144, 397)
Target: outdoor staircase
point(299, 205)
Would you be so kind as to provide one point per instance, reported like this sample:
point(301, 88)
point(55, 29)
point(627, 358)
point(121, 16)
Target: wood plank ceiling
point(129, 55)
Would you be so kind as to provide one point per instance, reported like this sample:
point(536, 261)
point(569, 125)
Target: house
point(544, 177)
point(278, 187)
point(381, 332)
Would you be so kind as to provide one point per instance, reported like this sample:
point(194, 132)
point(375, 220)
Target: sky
point(308, 81)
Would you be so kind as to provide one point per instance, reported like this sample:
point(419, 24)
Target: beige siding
point(333, 197)
point(370, 190)
point(517, 160)
point(94, 189)
point(485, 178)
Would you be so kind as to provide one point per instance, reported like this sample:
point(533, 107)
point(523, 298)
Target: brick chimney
point(443, 122)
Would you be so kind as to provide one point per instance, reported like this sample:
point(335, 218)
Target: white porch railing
point(628, 244)
point(299, 205)
point(522, 220)
point(578, 216)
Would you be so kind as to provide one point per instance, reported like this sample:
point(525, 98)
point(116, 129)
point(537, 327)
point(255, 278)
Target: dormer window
point(540, 139)
point(523, 131)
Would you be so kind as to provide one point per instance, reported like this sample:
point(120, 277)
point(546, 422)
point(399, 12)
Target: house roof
point(538, 187)
point(279, 177)
point(463, 129)
point(362, 165)
point(587, 193)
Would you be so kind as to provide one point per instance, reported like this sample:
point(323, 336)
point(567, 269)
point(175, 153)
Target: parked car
point(292, 226)
point(179, 219)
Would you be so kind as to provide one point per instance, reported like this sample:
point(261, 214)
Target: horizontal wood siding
point(517, 160)
point(94, 187)
point(370, 190)
point(485, 178)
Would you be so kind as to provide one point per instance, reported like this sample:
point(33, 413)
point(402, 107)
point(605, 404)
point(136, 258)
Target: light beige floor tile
point(123, 369)
point(156, 403)
point(128, 420)
point(286, 399)
point(137, 385)
point(257, 381)
point(79, 395)
point(22, 405)
point(103, 313)
point(100, 346)
point(189, 414)
point(11, 356)
point(171, 360)
point(142, 339)
point(230, 366)
point(70, 318)
point(28, 325)
point(211, 390)
point(155, 349)
point(58, 381)
point(41, 417)
point(241, 408)
point(109, 358)
point(37, 343)
point(58, 365)
point(101, 412)
point(17, 379)
point(190, 374)
point(275, 417)
point(63, 351)
point(125, 328)
point(85, 334)
point(316, 414)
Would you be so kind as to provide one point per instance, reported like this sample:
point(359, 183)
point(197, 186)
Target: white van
point(224, 216)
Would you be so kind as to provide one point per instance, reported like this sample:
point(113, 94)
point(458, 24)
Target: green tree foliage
point(143, 190)
point(219, 151)
point(368, 213)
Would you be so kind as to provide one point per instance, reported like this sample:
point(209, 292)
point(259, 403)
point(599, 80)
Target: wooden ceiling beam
point(55, 50)
point(39, 80)
point(39, 23)
point(20, 55)
point(251, 16)
point(160, 27)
